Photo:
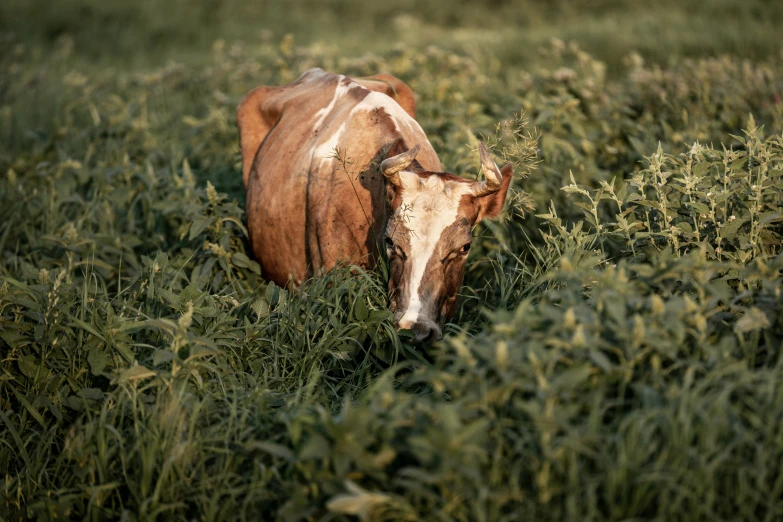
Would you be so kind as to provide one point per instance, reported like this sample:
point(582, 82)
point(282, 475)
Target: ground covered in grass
point(616, 354)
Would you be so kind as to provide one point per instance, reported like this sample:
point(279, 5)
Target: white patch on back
point(430, 206)
point(377, 100)
point(327, 149)
point(373, 100)
point(341, 88)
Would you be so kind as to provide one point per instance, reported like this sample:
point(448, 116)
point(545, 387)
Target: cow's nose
point(426, 332)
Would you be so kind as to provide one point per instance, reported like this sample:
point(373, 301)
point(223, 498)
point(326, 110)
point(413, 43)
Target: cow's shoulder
point(393, 87)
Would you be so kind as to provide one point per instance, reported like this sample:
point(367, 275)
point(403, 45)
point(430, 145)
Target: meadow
point(617, 353)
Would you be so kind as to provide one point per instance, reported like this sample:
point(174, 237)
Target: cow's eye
point(465, 249)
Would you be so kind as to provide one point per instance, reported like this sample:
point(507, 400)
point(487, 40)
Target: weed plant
point(616, 354)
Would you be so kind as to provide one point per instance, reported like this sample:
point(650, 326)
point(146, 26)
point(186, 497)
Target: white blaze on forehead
point(429, 206)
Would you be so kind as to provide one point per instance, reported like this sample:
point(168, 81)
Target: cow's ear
point(491, 205)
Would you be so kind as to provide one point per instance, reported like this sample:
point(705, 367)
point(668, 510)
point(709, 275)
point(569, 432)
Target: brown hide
point(392, 87)
point(308, 210)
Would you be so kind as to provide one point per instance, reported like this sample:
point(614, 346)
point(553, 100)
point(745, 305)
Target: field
point(617, 353)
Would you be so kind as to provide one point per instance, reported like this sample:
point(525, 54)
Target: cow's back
point(311, 151)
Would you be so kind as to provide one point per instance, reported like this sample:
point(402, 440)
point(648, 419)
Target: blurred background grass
point(148, 33)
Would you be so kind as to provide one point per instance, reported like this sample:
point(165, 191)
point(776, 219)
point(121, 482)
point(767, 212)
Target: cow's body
point(331, 164)
point(305, 206)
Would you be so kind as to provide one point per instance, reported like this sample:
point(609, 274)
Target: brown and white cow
point(333, 164)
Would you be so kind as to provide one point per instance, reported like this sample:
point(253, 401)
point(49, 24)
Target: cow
point(337, 168)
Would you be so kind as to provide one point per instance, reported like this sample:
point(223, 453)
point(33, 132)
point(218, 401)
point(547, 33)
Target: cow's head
point(428, 236)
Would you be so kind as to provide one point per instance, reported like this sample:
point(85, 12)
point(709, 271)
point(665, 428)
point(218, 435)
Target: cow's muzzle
point(426, 331)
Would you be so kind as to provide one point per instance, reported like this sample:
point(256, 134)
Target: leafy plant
point(615, 356)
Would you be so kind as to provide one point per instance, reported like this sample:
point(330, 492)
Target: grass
point(617, 351)
point(147, 33)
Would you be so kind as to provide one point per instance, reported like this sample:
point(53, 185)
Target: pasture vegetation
point(616, 354)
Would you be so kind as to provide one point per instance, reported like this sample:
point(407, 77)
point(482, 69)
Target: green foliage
point(616, 356)
point(726, 202)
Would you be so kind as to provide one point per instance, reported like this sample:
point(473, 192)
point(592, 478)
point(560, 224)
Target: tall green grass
point(616, 354)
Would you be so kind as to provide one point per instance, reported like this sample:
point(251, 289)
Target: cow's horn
point(391, 166)
point(493, 177)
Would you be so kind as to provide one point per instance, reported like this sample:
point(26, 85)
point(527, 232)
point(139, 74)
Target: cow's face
point(428, 237)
